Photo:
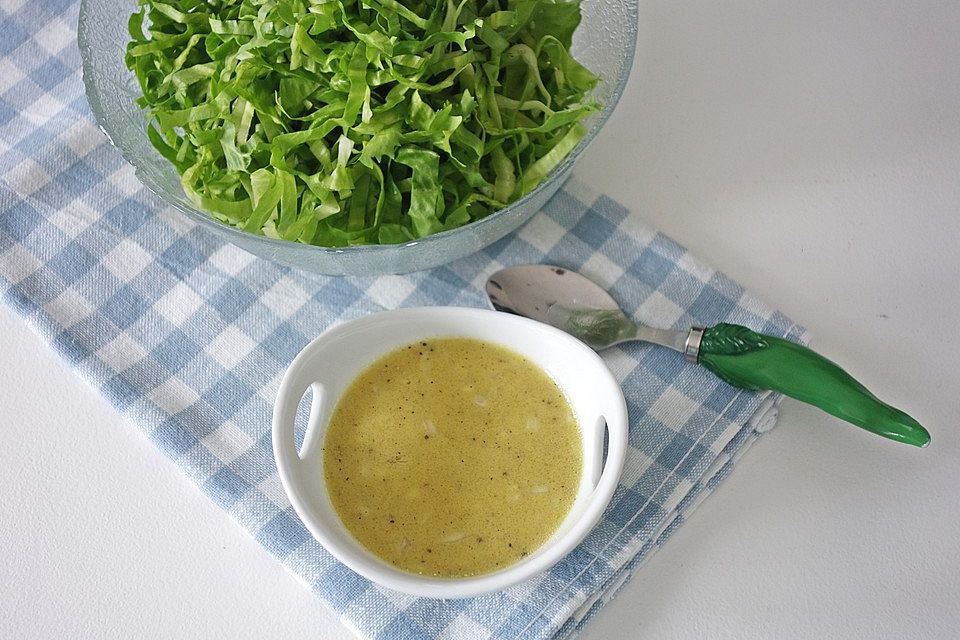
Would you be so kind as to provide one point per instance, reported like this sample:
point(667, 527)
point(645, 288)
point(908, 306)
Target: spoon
point(739, 356)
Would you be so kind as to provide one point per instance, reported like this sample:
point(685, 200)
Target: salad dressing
point(452, 457)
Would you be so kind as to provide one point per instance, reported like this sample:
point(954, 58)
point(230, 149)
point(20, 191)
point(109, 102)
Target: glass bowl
point(604, 43)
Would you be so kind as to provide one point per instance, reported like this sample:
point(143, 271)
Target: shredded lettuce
point(345, 122)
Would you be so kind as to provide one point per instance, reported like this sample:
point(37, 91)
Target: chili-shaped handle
point(750, 360)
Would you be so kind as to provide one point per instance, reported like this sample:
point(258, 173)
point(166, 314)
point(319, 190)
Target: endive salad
point(345, 122)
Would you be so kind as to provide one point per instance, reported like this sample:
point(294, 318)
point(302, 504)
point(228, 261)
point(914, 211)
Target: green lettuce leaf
point(345, 122)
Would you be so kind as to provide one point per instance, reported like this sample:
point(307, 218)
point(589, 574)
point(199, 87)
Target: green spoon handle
point(750, 360)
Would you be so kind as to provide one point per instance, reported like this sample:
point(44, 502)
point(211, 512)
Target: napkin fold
point(188, 338)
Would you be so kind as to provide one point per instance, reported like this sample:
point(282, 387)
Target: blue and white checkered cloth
point(188, 338)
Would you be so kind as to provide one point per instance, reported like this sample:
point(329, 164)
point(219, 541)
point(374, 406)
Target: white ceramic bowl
point(332, 361)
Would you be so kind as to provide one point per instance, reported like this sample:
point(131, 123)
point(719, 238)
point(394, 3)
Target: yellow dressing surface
point(452, 457)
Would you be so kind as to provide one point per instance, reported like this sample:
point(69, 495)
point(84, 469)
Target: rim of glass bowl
point(93, 92)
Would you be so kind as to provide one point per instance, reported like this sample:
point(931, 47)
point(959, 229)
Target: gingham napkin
point(188, 338)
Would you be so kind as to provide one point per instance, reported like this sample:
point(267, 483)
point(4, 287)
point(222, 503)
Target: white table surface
point(810, 150)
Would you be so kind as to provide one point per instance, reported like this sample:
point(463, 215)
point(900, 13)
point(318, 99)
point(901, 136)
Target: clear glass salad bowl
point(604, 43)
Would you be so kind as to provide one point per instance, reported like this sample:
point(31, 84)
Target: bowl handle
point(599, 451)
point(291, 392)
point(610, 455)
point(311, 438)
